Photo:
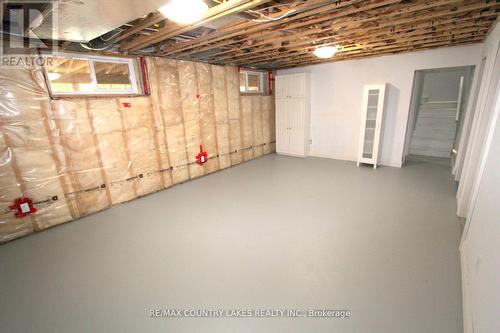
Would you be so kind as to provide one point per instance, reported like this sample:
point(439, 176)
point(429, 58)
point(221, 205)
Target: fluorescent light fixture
point(54, 76)
point(184, 11)
point(325, 52)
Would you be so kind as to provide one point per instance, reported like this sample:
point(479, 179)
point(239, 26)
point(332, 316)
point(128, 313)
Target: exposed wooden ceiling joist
point(358, 34)
point(280, 33)
point(390, 50)
point(145, 23)
point(382, 36)
point(214, 13)
point(305, 10)
point(304, 55)
point(347, 25)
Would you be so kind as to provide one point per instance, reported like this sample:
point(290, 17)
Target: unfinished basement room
point(250, 166)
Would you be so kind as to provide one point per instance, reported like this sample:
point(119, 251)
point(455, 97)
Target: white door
point(456, 140)
point(298, 85)
point(282, 139)
point(283, 110)
point(298, 114)
point(291, 114)
point(297, 141)
point(282, 87)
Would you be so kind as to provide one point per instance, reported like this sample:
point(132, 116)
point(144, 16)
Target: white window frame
point(91, 59)
point(262, 82)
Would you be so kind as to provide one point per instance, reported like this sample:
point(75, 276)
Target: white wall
point(480, 247)
point(336, 93)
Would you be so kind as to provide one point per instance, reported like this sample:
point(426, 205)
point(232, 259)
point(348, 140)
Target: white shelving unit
point(293, 114)
point(371, 123)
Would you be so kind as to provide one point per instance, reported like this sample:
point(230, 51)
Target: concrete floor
point(277, 232)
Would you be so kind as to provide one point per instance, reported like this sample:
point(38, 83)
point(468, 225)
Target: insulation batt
point(76, 156)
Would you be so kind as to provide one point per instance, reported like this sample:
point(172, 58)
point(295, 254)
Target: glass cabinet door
point(371, 122)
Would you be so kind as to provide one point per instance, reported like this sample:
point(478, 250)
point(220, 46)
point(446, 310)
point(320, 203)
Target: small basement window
point(72, 74)
point(253, 82)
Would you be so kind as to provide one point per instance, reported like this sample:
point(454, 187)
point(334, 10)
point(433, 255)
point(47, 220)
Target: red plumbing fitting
point(202, 157)
point(23, 207)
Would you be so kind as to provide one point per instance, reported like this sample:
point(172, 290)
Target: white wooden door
point(283, 111)
point(297, 141)
point(298, 86)
point(282, 139)
point(291, 117)
point(282, 87)
point(298, 114)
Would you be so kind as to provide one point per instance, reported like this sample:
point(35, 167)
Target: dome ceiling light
point(184, 11)
point(325, 52)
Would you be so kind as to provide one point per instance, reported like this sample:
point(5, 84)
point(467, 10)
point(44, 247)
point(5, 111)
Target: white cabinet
point(282, 87)
point(292, 114)
point(372, 116)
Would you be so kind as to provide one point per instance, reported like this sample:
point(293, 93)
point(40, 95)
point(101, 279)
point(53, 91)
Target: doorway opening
point(437, 112)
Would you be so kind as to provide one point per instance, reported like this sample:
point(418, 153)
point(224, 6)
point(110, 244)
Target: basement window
point(252, 82)
point(72, 74)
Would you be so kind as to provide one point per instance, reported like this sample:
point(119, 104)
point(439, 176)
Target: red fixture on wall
point(202, 157)
point(270, 82)
point(145, 78)
point(23, 207)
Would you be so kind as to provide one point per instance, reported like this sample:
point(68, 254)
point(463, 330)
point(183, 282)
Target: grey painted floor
point(276, 232)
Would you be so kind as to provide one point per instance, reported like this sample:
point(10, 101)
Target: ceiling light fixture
point(184, 11)
point(54, 76)
point(325, 52)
